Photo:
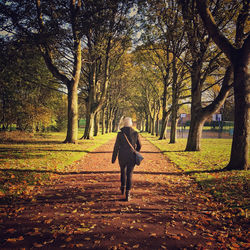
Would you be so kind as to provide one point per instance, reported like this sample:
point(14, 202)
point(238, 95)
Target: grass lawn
point(27, 160)
point(230, 187)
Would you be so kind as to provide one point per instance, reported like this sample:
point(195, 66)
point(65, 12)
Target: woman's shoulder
point(135, 133)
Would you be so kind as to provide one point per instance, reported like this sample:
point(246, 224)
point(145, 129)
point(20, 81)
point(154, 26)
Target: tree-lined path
point(85, 210)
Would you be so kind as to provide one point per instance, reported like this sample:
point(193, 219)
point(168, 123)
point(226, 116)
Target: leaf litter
point(86, 210)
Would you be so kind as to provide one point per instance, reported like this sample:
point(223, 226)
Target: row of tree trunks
point(102, 121)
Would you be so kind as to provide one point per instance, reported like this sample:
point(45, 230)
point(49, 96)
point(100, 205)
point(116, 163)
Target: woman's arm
point(116, 148)
point(138, 143)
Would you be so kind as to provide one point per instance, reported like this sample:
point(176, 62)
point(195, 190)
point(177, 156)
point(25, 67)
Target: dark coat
point(126, 155)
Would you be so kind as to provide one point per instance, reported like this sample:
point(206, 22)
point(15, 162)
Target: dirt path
point(85, 210)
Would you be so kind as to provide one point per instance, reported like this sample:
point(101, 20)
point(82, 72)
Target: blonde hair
point(125, 122)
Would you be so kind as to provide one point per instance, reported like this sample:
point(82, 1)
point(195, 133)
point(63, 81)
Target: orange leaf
point(136, 246)
point(153, 235)
point(11, 230)
point(37, 245)
point(68, 239)
point(13, 240)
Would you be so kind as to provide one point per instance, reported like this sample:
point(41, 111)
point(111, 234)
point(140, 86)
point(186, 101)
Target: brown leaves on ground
point(168, 210)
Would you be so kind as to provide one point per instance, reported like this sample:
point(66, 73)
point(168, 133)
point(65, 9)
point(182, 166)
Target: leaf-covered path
point(86, 210)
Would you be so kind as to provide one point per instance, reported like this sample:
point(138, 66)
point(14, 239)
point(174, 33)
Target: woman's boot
point(122, 190)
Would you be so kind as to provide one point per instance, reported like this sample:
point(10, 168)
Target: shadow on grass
point(161, 152)
point(17, 150)
point(111, 172)
point(26, 142)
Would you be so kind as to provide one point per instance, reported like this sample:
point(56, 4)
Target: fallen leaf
point(11, 230)
point(48, 221)
point(79, 245)
point(13, 240)
point(136, 246)
point(235, 245)
point(68, 239)
point(175, 237)
point(246, 245)
point(83, 229)
point(37, 245)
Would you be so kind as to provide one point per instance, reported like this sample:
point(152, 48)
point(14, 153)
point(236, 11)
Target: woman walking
point(126, 155)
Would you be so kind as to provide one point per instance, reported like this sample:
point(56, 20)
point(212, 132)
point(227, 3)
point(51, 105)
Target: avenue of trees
point(100, 60)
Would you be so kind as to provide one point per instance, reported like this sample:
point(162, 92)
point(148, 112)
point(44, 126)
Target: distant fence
point(213, 129)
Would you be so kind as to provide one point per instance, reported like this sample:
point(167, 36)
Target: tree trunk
point(175, 100)
point(108, 120)
point(149, 124)
point(196, 123)
point(72, 128)
point(3, 112)
point(107, 125)
point(114, 127)
point(96, 124)
point(165, 117)
point(240, 144)
point(103, 121)
point(174, 120)
point(88, 133)
point(157, 125)
point(165, 113)
point(195, 133)
point(110, 125)
point(152, 126)
point(143, 125)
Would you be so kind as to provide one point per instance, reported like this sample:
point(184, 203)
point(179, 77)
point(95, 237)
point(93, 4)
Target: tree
point(118, 94)
point(26, 95)
point(205, 60)
point(56, 28)
point(148, 93)
point(239, 56)
point(166, 45)
point(106, 40)
point(156, 50)
point(171, 25)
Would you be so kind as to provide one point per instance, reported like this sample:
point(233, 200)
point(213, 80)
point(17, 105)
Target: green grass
point(29, 160)
point(230, 187)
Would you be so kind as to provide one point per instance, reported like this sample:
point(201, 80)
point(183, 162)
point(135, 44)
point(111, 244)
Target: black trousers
point(126, 176)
